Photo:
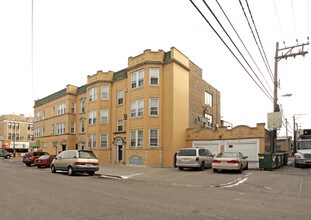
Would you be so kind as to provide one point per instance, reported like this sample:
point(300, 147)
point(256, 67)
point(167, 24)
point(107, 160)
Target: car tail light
point(95, 164)
point(233, 161)
point(80, 163)
point(216, 161)
point(197, 159)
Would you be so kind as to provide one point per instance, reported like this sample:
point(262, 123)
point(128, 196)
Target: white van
point(75, 161)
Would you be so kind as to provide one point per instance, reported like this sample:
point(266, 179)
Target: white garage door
point(212, 146)
point(249, 148)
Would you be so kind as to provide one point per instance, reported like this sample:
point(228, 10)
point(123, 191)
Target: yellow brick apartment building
point(138, 115)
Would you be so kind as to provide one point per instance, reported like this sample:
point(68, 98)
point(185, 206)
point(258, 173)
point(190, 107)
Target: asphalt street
point(132, 192)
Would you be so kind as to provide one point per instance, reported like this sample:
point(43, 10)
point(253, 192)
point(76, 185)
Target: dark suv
point(29, 157)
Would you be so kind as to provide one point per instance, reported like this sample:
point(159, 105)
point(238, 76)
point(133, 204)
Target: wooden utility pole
point(286, 53)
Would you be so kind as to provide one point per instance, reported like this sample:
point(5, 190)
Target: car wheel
point(202, 166)
point(91, 173)
point(215, 170)
point(180, 168)
point(70, 171)
point(39, 166)
point(241, 169)
point(28, 164)
point(53, 170)
point(7, 157)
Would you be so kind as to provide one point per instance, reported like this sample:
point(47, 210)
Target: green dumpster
point(267, 161)
point(279, 159)
point(285, 159)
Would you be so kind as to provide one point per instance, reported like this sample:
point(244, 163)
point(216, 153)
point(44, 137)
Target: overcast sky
point(75, 38)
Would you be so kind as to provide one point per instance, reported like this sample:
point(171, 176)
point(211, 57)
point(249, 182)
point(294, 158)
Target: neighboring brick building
point(138, 115)
point(16, 132)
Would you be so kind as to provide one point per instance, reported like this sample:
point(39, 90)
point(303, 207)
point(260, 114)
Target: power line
point(278, 18)
point(264, 60)
point(243, 44)
point(294, 20)
point(227, 47)
point(236, 47)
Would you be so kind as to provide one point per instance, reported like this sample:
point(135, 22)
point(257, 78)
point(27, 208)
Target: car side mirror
point(245, 157)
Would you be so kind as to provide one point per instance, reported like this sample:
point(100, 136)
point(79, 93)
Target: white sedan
point(230, 161)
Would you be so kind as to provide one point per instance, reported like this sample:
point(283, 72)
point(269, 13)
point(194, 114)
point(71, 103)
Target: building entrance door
point(118, 146)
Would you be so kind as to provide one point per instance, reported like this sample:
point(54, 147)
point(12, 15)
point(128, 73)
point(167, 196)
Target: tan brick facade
point(138, 115)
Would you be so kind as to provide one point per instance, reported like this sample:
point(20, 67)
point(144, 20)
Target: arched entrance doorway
point(119, 150)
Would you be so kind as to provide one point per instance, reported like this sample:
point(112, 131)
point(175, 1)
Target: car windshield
point(191, 152)
point(228, 154)
point(304, 145)
point(87, 154)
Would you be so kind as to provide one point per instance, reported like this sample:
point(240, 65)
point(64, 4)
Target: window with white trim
point(137, 79)
point(72, 127)
point(104, 92)
point(120, 124)
point(92, 94)
point(120, 97)
point(61, 108)
point(137, 108)
point(82, 105)
point(104, 140)
point(60, 128)
point(73, 107)
point(153, 137)
point(208, 99)
point(154, 106)
point(36, 132)
point(104, 116)
point(52, 129)
point(43, 131)
point(92, 141)
point(137, 137)
point(208, 120)
point(154, 76)
point(92, 117)
point(82, 126)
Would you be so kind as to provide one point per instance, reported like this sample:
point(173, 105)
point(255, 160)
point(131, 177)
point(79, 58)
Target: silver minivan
point(75, 161)
point(194, 158)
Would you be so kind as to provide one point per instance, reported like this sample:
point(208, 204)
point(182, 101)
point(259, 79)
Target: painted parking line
point(235, 182)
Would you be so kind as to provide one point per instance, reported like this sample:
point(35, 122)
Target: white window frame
point(91, 144)
point(209, 119)
point(150, 137)
point(104, 140)
point(93, 94)
point(82, 105)
point(92, 117)
point(208, 99)
point(72, 127)
point(120, 98)
point(119, 124)
point(82, 127)
point(137, 108)
point(154, 74)
point(137, 138)
point(154, 109)
point(61, 128)
point(73, 107)
point(137, 79)
point(104, 113)
point(61, 108)
point(104, 92)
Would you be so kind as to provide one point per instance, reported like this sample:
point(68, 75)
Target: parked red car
point(29, 158)
point(44, 161)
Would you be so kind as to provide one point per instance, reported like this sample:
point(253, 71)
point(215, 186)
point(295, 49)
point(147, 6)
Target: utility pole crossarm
point(289, 52)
